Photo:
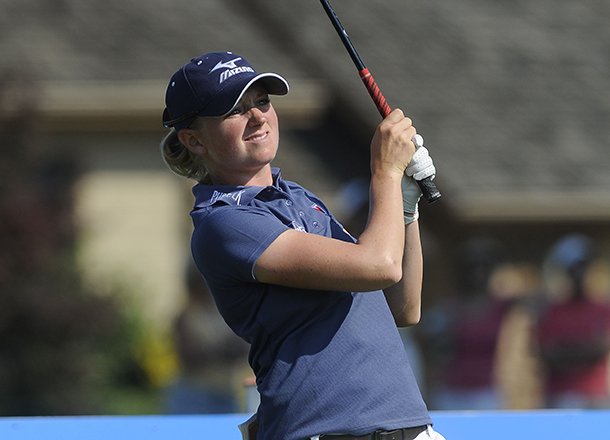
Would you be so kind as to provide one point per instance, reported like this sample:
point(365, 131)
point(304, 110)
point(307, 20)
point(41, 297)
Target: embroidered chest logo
point(298, 227)
point(317, 208)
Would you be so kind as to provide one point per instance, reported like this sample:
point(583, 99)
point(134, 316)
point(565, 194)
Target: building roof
point(511, 97)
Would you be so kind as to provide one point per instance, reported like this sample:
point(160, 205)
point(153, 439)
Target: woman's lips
point(256, 137)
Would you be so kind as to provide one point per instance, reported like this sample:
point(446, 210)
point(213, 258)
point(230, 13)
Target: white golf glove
point(410, 197)
point(420, 167)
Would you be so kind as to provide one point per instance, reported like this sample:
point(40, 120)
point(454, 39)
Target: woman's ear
point(189, 139)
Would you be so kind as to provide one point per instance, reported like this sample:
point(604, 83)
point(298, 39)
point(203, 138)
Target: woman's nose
point(256, 116)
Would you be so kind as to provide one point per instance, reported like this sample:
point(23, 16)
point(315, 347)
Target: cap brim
point(273, 83)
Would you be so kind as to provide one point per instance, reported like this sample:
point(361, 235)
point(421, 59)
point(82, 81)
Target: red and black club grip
point(427, 185)
point(375, 92)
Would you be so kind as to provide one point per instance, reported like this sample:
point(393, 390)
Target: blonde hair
point(180, 160)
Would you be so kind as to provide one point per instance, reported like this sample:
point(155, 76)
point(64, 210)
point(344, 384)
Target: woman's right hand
point(391, 146)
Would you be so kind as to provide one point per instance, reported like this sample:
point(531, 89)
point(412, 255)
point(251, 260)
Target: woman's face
point(241, 143)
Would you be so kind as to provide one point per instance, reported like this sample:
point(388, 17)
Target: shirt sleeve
point(228, 241)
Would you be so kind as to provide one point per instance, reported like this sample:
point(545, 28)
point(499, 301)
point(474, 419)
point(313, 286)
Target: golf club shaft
point(427, 186)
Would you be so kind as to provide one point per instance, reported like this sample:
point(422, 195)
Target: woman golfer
point(319, 307)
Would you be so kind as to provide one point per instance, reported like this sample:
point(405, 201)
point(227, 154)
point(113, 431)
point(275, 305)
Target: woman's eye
point(243, 108)
point(264, 101)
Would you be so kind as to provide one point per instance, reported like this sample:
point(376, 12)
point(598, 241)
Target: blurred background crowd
point(100, 309)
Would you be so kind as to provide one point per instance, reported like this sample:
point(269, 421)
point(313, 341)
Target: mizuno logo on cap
point(227, 65)
point(232, 69)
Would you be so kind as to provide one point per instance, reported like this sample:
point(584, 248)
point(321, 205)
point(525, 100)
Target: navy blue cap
point(212, 85)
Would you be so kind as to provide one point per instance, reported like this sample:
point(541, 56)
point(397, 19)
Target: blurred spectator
point(574, 330)
point(461, 333)
point(212, 358)
point(517, 368)
point(352, 204)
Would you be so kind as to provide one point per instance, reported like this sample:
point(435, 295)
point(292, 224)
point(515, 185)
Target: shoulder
point(226, 220)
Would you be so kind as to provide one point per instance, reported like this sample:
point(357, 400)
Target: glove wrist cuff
point(410, 217)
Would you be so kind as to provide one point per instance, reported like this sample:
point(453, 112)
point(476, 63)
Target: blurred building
point(511, 98)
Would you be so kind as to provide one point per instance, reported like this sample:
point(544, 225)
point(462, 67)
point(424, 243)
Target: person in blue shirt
point(319, 308)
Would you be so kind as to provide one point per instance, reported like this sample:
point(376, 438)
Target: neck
point(261, 177)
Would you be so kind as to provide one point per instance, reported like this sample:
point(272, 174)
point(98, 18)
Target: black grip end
point(429, 189)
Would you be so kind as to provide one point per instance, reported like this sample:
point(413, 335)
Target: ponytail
point(179, 159)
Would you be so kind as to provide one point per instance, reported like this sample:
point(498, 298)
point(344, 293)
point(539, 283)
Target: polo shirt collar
point(208, 195)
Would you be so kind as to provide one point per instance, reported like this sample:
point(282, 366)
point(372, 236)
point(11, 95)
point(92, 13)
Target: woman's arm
point(311, 261)
point(404, 298)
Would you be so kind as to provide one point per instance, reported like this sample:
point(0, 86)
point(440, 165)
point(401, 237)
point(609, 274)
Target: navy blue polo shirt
point(325, 361)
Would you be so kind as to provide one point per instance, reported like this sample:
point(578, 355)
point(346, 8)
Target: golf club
point(427, 186)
